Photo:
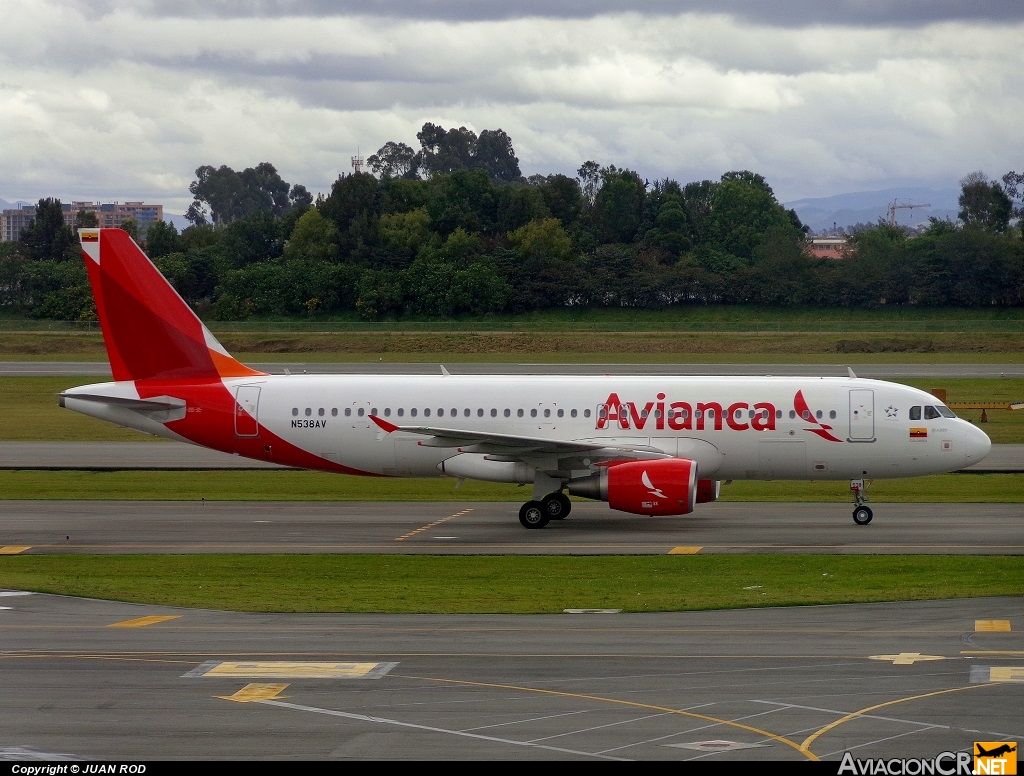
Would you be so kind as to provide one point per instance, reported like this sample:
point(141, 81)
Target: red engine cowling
point(661, 487)
point(708, 490)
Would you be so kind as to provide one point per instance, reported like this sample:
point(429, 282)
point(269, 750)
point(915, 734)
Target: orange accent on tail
point(149, 330)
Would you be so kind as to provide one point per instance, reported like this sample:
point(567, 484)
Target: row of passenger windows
point(602, 412)
point(413, 412)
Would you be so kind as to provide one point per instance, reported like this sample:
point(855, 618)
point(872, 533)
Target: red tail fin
point(149, 331)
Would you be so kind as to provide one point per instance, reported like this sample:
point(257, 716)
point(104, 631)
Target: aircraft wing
point(514, 447)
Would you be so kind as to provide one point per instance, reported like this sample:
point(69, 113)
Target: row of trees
point(455, 230)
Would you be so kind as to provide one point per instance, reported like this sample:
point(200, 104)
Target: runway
point(101, 369)
point(107, 680)
point(475, 528)
point(110, 681)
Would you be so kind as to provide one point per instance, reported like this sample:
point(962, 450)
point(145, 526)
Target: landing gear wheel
point(556, 506)
point(532, 515)
point(862, 515)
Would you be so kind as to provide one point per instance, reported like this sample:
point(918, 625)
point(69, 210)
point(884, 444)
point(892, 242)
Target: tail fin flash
point(149, 330)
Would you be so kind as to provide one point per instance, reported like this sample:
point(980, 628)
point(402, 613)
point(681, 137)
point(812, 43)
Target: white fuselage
point(733, 427)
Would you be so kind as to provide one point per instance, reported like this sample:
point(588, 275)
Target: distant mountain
point(5, 205)
point(866, 207)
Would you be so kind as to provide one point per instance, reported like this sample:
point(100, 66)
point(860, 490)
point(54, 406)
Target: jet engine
point(660, 487)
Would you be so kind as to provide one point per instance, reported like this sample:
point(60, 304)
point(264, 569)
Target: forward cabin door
point(862, 415)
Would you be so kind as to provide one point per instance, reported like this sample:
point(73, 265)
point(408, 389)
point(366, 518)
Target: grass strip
point(510, 585)
point(298, 485)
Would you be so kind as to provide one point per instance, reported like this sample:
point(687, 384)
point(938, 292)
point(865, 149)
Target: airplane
point(647, 445)
point(1001, 749)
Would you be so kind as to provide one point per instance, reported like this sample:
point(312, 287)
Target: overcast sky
point(118, 100)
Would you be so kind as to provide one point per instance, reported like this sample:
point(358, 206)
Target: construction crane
point(897, 206)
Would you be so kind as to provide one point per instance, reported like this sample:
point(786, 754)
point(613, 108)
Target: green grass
point(510, 585)
point(719, 317)
point(319, 486)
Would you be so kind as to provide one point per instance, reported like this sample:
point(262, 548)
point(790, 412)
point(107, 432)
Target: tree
point(589, 179)
point(493, 153)
point(131, 225)
point(314, 239)
point(618, 205)
point(445, 151)
point(161, 239)
point(86, 219)
point(393, 160)
point(47, 236)
point(984, 203)
point(225, 195)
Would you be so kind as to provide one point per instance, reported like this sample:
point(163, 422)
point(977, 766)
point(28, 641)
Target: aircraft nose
point(978, 445)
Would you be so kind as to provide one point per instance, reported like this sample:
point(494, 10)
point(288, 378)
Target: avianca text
point(685, 416)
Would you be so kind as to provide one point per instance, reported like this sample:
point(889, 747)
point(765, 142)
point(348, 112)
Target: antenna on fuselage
point(850, 370)
point(444, 371)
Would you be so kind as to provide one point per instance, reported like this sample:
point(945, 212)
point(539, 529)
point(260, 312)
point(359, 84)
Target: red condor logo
point(703, 415)
point(803, 411)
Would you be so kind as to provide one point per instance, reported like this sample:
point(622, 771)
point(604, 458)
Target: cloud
point(125, 99)
point(781, 13)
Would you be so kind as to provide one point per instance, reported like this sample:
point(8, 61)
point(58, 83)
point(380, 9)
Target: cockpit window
point(930, 413)
point(945, 411)
point(915, 413)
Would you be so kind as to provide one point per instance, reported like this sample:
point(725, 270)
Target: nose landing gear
point(861, 514)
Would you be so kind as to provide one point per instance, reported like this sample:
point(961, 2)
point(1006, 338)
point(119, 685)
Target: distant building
point(828, 247)
point(109, 214)
point(12, 221)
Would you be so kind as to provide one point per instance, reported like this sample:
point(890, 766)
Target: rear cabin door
point(247, 401)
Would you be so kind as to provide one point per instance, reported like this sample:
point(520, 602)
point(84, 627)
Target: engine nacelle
point(708, 491)
point(660, 487)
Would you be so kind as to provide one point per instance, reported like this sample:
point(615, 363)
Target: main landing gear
point(861, 514)
point(537, 514)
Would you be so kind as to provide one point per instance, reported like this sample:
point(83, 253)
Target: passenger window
point(479, 412)
point(806, 414)
point(412, 412)
point(561, 413)
point(818, 414)
point(494, 412)
point(792, 414)
point(533, 413)
point(519, 413)
point(466, 412)
point(373, 411)
point(295, 410)
point(547, 413)
point(915, 413)
point(586, 413)
point(348, 412)
point(320, 412)
point(401, 411)
point(832, 415)
point(426, 412)
point(360, 412)
point(387, 412)
point(572, 413)
point(508, 413)
point(334, 412)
